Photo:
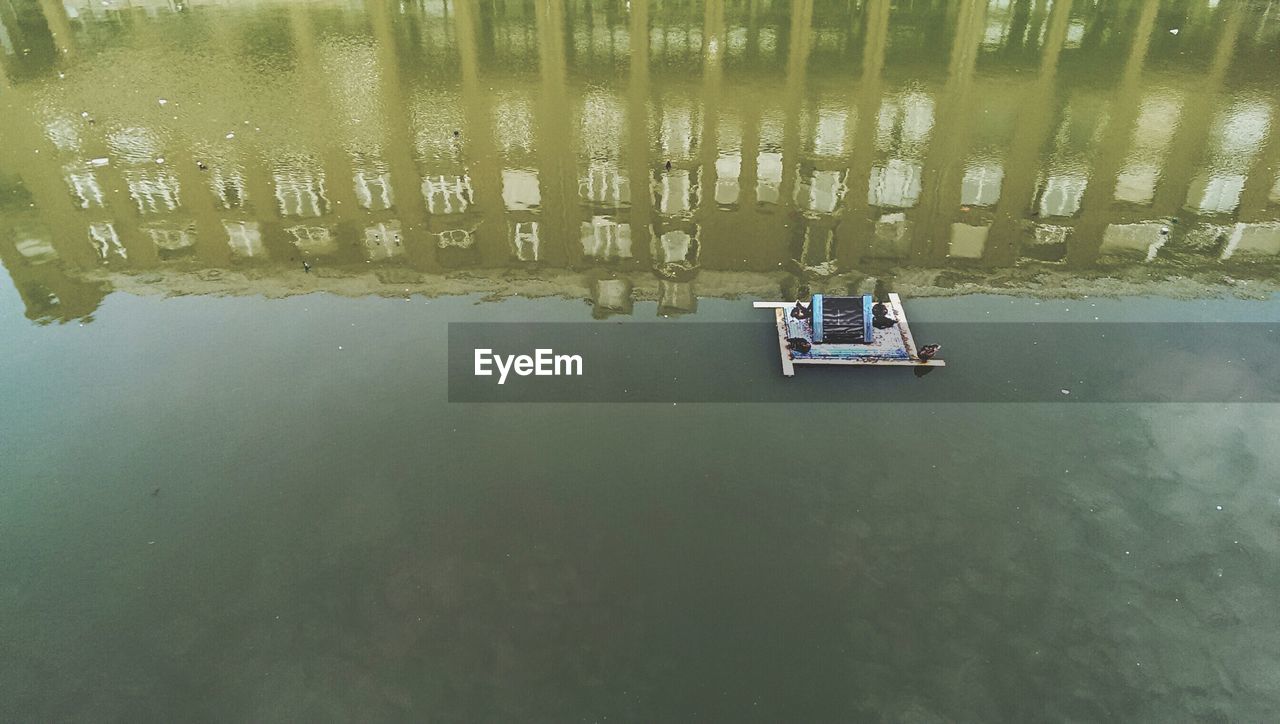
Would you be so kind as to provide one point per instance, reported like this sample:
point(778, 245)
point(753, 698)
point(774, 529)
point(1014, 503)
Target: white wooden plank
point(895, 303)
point(871, 362)
point(780, 320)
point(773, 305)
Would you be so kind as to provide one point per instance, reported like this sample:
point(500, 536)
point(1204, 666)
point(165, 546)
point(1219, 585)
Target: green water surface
point(232, 487)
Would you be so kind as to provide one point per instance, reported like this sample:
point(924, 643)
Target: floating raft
point(886, 347)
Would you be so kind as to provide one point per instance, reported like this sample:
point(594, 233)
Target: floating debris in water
point(99, 162)
point(231, 135)
point(1066, 392)
point(163, 102)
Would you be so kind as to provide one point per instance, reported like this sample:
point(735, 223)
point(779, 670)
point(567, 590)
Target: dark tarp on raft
point(844, 320)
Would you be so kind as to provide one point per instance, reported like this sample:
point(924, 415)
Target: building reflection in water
point(633, 150)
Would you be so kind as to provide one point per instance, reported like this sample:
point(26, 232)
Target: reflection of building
point(996, 147)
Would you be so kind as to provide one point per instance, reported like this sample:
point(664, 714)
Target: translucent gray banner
point(738, 362)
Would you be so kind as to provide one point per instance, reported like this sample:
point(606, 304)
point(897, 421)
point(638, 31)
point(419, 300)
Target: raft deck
point(888, 347)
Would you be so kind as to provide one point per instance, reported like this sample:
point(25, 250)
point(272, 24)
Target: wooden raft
point(893, 347)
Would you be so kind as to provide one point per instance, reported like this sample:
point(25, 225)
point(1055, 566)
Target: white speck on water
point(160, 160)
point(339, 346)
point(1066, 392)
point(1219, 507)
point(163, 102)
point(231, 135)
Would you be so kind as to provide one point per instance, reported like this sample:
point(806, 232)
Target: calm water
point(231, 488)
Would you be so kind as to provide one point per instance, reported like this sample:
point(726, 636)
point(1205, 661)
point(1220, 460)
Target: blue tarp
point(842, 320)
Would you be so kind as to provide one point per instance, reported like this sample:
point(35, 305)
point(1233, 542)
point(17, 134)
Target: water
point(232, 488)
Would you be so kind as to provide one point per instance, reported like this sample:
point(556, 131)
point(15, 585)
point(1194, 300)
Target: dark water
point(233, 489)
point(234, 508)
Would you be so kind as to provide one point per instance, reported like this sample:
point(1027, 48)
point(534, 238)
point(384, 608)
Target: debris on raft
point(847, 331)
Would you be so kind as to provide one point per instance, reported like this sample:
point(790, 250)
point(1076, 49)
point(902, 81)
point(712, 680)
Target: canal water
point(233, 487)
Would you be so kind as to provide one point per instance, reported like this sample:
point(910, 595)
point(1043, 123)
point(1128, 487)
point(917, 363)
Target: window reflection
point(728, 169)
point(605, 239)
point(245, 239)
point(447, 194)
point(981, 184)
point(152, 191)
point(105, 240)
point(1153, 132)
point(383, 240)
point(895, 185)
point(300, 187)
point(316, 240)
point(520, 189)
point(768, 176)
point(1233, 146)
point(526, 245)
